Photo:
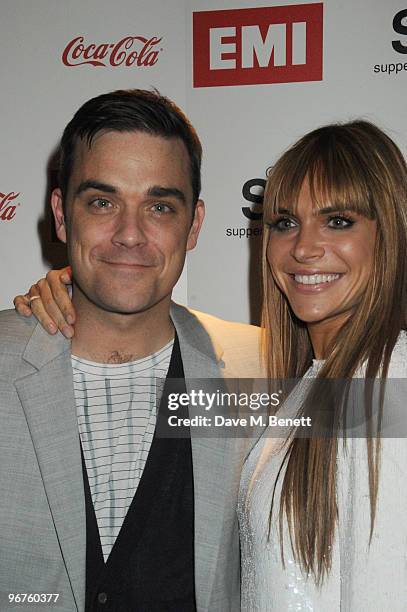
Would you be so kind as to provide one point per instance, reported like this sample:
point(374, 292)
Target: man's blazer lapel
point(48, 401)
point(202, 359)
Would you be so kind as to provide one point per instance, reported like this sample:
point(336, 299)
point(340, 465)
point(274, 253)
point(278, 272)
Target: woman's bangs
point(334, 181)
point(338, 175)
point(341, 183)
point(284, 185)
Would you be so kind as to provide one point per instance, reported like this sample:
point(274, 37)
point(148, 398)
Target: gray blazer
point(42, 506)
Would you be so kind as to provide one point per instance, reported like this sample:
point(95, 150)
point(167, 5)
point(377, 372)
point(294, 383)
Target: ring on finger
point(34, 297)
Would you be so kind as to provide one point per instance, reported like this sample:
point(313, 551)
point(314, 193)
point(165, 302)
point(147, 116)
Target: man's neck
point(106, 337)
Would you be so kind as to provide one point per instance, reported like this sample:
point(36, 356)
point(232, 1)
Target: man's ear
point(57, 209)
point(199, 216)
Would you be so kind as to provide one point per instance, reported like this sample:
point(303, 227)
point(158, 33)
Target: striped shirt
point(116, 409)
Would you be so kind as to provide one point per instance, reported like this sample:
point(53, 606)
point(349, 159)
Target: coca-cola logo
point(8, 206)
point(136, 51)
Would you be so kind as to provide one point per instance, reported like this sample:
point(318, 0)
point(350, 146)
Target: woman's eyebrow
point(333, 209)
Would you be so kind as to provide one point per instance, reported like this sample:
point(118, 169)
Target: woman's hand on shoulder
point(49, 301)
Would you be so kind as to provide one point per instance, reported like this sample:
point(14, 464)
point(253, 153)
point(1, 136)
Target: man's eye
point(101, 204)
point(282, 224)
point(161, 208)
point(340, 222)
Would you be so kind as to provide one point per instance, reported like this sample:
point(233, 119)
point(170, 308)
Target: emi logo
point(279, 44)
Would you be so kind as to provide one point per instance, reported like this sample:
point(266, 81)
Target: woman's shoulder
point(398, 360)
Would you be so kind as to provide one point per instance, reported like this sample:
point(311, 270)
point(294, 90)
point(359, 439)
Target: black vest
point(151, 565)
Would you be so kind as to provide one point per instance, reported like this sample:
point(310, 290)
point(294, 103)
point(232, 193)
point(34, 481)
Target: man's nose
point(130, 230)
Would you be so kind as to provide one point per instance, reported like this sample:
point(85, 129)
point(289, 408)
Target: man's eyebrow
point(156, 191)
point(164, 192)
point(91, 184)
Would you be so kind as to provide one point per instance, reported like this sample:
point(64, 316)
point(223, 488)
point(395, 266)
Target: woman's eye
point(340, 222)
point(283, 224)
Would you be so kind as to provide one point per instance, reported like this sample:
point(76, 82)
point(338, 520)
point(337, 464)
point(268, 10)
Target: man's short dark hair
point(129, 110)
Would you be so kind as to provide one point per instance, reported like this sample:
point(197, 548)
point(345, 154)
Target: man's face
point(129, 219)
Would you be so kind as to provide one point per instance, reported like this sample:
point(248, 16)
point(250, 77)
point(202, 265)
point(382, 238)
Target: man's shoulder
point(15, 331)
point(229, 331)
point(226, 332)
point(238, 344)
point(15, 334)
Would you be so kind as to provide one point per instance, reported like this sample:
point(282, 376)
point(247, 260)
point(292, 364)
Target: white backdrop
point(243, 127)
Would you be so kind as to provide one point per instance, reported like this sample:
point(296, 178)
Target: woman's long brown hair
point(357, 166)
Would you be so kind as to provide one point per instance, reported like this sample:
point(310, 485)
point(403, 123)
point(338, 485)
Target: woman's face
point(322, 260)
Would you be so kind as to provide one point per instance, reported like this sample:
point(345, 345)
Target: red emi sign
point(279, 44)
